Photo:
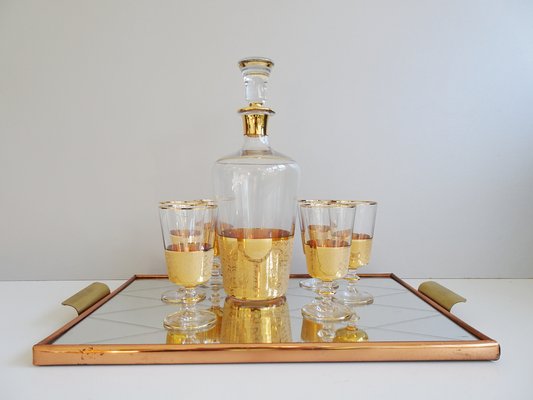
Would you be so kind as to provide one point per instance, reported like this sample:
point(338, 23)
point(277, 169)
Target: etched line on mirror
point(127, 337)
point(124, 322)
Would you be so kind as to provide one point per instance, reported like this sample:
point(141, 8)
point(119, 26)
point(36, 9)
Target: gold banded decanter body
point(255, 190)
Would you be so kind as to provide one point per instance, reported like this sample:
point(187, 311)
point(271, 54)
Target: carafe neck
point(256, 146)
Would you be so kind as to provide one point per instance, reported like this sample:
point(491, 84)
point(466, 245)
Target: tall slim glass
point(327, 235)
point(363, 234)
point(188, 237)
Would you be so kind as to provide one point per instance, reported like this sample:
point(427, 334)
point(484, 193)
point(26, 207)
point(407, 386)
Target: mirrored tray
point(126, 327)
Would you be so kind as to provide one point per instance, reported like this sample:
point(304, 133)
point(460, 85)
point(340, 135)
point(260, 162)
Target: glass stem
point(189, 303)
point(215, 296)
point(352, 279)
point(215, 272)
point(326, 292)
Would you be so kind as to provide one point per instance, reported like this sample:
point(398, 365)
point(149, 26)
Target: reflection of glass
point(363, 233)
point(188, 244)
point(314, 331)
point(326, 227)
point(350, 333)
point(257, 322)
point(210, 335)
point(310, 330)
point(255, 191)
point(217, 310)
point(184, 337)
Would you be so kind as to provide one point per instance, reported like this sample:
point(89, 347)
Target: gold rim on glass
point(367, 202)
point(327, 203)
point(187, 204)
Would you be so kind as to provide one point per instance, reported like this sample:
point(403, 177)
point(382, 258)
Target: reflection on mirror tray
point(135, 315)
point(210, 335)
point(259, 322)
point(343, 332)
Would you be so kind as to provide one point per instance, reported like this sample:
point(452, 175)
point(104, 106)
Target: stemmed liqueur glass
point(327, 235)
point(175, 296)
point(187, 228)
point(361, 247)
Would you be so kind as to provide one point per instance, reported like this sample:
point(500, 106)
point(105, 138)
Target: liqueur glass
point(188, 238)
point(361, 247)
point(327, 235)
point(176, 295)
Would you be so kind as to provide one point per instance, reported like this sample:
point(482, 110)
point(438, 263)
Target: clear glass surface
point(256, 188)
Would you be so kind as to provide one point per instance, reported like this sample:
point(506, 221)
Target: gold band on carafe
point(255, 119)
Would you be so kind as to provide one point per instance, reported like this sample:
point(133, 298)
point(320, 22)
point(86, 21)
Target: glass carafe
point(256, 190)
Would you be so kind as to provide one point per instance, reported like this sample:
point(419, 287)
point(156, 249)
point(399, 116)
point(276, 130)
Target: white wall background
point(107, 107)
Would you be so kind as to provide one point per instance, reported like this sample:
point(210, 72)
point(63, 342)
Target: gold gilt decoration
point(260, 322)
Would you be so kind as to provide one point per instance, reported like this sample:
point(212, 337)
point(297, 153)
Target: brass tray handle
point(87, 297)
point(440, 294)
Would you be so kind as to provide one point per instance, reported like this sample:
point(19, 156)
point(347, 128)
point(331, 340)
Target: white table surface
point(502, 309)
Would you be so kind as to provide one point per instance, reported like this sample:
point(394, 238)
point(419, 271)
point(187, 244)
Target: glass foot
point(354, 297)
point(177, 296)
point(185, 320)
point(314, 283)
point(331, 312)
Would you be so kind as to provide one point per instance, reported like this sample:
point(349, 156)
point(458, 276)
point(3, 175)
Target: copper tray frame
point(47, 353)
